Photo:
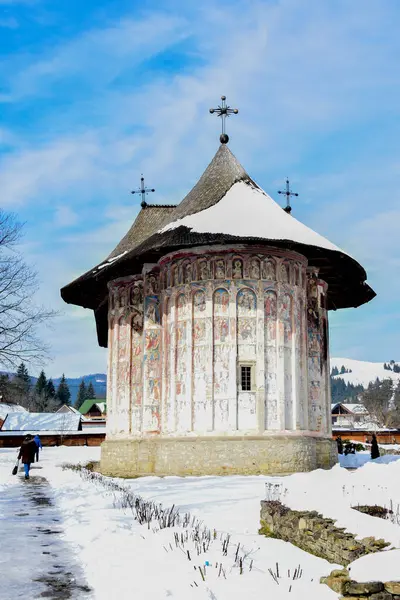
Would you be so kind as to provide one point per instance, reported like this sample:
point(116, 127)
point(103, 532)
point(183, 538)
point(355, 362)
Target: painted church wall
point(180, 335)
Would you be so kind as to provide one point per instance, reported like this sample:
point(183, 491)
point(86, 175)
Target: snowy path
point(34, 558)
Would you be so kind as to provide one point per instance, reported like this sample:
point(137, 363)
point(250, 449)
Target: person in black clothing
point(339, 445)
point(27, 453)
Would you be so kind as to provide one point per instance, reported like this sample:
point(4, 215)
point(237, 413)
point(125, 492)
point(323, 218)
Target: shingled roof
point(225, 206)
point(149, 220)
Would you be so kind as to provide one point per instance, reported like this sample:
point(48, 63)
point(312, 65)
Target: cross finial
point(143, 191)
point(224, 111)
point(288, 192)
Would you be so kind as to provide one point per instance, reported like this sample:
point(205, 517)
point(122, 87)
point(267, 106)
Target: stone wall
point(315, 534)
point(341, 583)
point(213, 455)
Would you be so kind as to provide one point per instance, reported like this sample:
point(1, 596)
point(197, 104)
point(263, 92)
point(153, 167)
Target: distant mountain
point(99, 381)
point(362, 372)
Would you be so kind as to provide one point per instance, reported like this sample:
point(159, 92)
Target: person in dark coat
point(339, 445)
point(27, 453)
point(374, 447)
point(38, 443)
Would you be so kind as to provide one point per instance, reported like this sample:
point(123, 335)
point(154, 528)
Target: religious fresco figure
point(268, 270)
point(255, 269)
point(237, 270)
point(221, 301)
point(188, 273)
point(284, 273)
point(152, 312)
point(199, 301)
point(152, 285)
point(137, 294)
point(220, 269)
point(203, 271)
point(270, 305)
point(246, 300)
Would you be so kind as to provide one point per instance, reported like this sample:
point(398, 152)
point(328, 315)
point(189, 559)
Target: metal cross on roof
point(224, 111)
point(143, 191)
point(288, 192)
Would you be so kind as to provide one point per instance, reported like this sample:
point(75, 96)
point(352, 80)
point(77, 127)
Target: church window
point(245, 378)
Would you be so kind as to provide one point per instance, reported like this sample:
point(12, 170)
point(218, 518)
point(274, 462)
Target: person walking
point(38, 443)
point(27, 453)
point(339, 445)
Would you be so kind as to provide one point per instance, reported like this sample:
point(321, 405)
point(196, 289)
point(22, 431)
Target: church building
point(215, 315)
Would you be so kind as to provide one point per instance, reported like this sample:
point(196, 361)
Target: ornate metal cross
point(143, 191)
point(224, 111)
point(288, 192)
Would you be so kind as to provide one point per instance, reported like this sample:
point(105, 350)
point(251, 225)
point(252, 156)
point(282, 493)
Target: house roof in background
point(6, 408)
point(65, 408)
point(25, 421)
point(88, 404)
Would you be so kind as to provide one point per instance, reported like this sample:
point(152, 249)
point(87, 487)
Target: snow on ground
point(362, 372)
point(122, 559)
point(384, 566)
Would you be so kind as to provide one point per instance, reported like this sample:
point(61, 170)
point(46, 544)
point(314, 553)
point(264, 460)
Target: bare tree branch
point(20, 318)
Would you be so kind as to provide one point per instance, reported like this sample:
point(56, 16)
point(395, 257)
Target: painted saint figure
point(220, 269)
point(237, 269)
point(255, 269)
point(269, 271)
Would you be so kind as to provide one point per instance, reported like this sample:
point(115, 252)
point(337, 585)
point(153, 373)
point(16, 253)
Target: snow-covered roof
point(357, 409)
point(225, 206)
point(90, 430)
point(247, 211)
point(41, 422)
point(65, 408)
point(6, 408)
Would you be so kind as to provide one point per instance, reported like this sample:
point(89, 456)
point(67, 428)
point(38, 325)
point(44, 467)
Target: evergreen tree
point(63, 394)
point(82, 395)
point(374, 447)
point(21, 386)
point(335, 371)
point(41, 384)
point(5, 388)
point(90, 391)
point(343, 370)
point(50, 389)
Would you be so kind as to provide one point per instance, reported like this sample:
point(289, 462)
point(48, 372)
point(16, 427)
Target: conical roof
point(224, 206)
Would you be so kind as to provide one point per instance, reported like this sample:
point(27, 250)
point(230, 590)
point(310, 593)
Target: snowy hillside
point(362, 373)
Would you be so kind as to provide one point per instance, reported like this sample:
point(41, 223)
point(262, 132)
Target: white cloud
point(299, 73)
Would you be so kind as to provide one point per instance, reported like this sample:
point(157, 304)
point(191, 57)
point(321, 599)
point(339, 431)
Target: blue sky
point(93, 93)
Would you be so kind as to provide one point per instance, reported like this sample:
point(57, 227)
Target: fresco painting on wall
point(202, 270)
point(246, 301)
point(285, 318)
point(269, 270)
point(221, 302)
point(199, 302)
point(237, 268)
point(284, 273)
point(255, 268)
point(220, 269)
point(152, 311)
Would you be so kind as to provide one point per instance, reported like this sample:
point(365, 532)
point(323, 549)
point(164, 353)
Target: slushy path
point(35, 561)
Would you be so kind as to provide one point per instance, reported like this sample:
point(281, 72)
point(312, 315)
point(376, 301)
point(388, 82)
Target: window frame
point(250, 365)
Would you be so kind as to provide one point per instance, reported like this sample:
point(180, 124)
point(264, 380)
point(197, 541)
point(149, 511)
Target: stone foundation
point(341, 583)
point(315, 534)
point(250, 455)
